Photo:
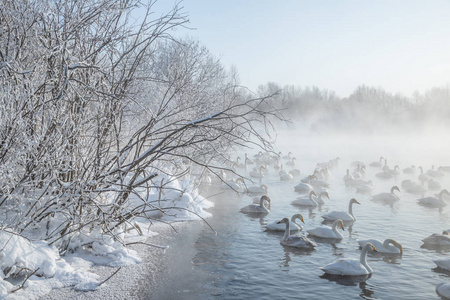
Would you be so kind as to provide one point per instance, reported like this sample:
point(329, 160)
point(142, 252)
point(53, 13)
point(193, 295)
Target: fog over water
point(245, 261)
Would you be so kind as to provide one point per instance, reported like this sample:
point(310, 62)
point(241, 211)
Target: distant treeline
point(367, 109)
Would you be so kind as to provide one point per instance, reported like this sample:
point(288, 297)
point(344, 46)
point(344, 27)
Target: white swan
point(319, 198)
point(410, 170)
point(257, 172)
point(365, 188)
point(287, 176)
point(293, 226)
point(434, 185)
point(443, 290)
point(257, 208)
point(444, 264)
point(384, 247)
point(304, 187)
point(291, 162)
point(387, 197)
point(423, 177)
point(437, 239)
point(435, 173)
point(433, 201)
point(327, 232)
point(295, 240)
point(412, 187)
point(254, 189)
point(377, 164)
point(348, 176)
point(301, 201)
point(344, 216)
point(349, 266)
point(384, 175)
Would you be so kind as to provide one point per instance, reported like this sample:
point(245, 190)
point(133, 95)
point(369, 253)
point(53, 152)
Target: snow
point(20, 257)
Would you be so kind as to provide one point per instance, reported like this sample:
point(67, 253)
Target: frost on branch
point(103, 120)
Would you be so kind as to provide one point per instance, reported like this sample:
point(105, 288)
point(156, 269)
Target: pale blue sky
point(400, 46)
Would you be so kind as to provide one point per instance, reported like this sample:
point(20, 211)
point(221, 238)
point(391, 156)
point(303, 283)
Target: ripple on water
point(248, 262)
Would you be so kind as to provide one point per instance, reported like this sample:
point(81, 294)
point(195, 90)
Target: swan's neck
point(350, 209)
point(261, 202)
point(334, 228)
point(362, 258)
point(387, 245)
point(314, 202)
point(287, 231)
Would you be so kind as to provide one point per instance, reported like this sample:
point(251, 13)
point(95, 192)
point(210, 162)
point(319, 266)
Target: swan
point(349, 266)
point(433, 201)
point(344, 216)
point(435, 173)
point(306, 201)
point(423, 177)
point(288, 156)
point(443, 290)
point(377, 164)
point(234, 184)
point(348, 176)
point(291, 162)
point(257, 172)
point(254, 189)
point(327, 232)
point(365, 188)
point(287, 176)
point(255, 208)
point(359, 173)
point(319, 198)
point(444, 264)
point(434, 185)
point(395, 171)
point(304, 187)
point(384, 247)
point(295, 240)
point(412, 187)
point(293, 226)
point(410, 170)
point(248, 160)
point(387, 197)
point(385, 175)
point(437, 239)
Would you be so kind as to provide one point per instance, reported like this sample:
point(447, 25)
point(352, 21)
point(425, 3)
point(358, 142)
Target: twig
point(115, 272)
point(23, 283)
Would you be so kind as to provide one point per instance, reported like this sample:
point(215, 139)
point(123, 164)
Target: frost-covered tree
point(96, 105)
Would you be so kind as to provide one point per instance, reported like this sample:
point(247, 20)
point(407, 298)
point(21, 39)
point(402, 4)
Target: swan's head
point(444, 191)
point(396, 244)
point(312, 193)
point(285, 220)
point(353, 200)
point(265, 198)
point(297, 216)
point(265, 188)
point(340, 223)
point(371, 247)
point(325, 194)
point(394, 188)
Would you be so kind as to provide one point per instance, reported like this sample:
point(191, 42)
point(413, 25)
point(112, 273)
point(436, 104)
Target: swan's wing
point(350, 267)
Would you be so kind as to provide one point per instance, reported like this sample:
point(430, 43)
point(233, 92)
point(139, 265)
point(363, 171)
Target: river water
point(243, 261)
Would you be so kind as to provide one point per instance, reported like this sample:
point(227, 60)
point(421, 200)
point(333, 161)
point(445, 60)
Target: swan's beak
point(279, 222)
point(375, 249)
point(342, 226)
point(302, 220)
point(401, 249)
point(356, 201)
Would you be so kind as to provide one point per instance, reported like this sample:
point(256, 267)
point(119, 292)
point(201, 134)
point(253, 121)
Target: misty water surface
point(245, 261)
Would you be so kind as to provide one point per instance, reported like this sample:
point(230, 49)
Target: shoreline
point(152, 278)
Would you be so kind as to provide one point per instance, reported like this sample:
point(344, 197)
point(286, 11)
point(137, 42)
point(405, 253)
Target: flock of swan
point(313, 190)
